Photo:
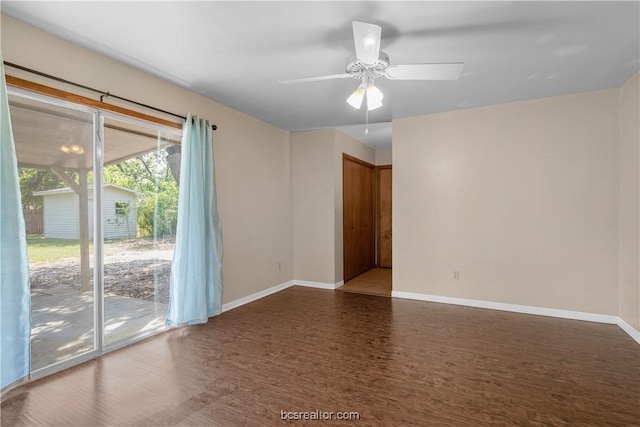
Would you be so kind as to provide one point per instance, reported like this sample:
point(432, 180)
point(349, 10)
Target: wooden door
point(384, 184)
point(358, 216)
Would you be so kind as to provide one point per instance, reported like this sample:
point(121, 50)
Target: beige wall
point(252, 157)
point(313, 205)
point(521, 198)
point(630, 202)
point(383, 156)
point(531, 201)
point(317, 201)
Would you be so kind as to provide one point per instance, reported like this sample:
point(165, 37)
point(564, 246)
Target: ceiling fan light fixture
point(374, 97)
point(356, 98)
point(72, 149)
point(371, 63)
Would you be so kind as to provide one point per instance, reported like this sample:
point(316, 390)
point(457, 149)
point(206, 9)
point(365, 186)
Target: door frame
point(378, 168)
point(346, 156)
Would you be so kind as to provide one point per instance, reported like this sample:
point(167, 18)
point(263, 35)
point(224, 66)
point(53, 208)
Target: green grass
point(48, 249)
point(43, 249)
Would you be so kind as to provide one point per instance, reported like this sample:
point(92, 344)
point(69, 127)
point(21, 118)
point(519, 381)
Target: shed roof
point(66, 190)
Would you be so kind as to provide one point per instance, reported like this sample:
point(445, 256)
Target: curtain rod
point(102, 93)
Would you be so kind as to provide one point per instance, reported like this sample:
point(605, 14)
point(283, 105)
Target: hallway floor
point(376, 281)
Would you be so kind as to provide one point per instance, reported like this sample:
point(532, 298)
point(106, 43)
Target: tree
point(174, 155)
point(32, 180)
point(153, 175)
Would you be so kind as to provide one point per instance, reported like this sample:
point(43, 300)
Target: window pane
point(54, 147)
point(141, 195)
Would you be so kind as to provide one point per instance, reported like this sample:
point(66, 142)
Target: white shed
point(61, 217)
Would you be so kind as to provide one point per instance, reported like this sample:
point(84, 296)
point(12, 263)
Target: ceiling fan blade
point(447, 71)
point(315, 79)
point(367, 40)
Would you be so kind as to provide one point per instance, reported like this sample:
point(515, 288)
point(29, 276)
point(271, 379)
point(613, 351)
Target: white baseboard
point(541, 311)
point(317, 284)
point(633, 333)
point(253, 297)
point(526, 309)
point(250, 298)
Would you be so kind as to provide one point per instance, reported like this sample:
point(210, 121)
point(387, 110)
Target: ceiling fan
point(371, 63)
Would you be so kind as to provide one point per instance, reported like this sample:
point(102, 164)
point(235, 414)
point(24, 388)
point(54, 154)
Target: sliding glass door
point(140, 206)
point(99, 197)
point(54, 147)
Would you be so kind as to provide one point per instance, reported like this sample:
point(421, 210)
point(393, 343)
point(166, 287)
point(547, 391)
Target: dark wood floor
point(396, 362)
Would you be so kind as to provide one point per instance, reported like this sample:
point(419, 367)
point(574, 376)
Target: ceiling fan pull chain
point(366, 130)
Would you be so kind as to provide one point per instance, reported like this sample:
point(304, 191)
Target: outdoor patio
point(62, 322)
point(136, 295)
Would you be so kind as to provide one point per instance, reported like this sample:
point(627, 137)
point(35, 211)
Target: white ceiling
point(234, 52)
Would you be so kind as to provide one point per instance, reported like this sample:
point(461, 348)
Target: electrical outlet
point(456, 275)
point(279, 266)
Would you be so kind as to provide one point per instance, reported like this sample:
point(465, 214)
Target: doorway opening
point(367, 228)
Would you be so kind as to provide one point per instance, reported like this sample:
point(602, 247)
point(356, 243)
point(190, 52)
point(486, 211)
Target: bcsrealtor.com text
point(319, 415)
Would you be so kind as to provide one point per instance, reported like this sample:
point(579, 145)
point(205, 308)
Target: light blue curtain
point(196, 273)
point(15, 298)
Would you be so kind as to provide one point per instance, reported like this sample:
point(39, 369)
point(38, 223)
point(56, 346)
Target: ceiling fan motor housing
point(358, 69)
